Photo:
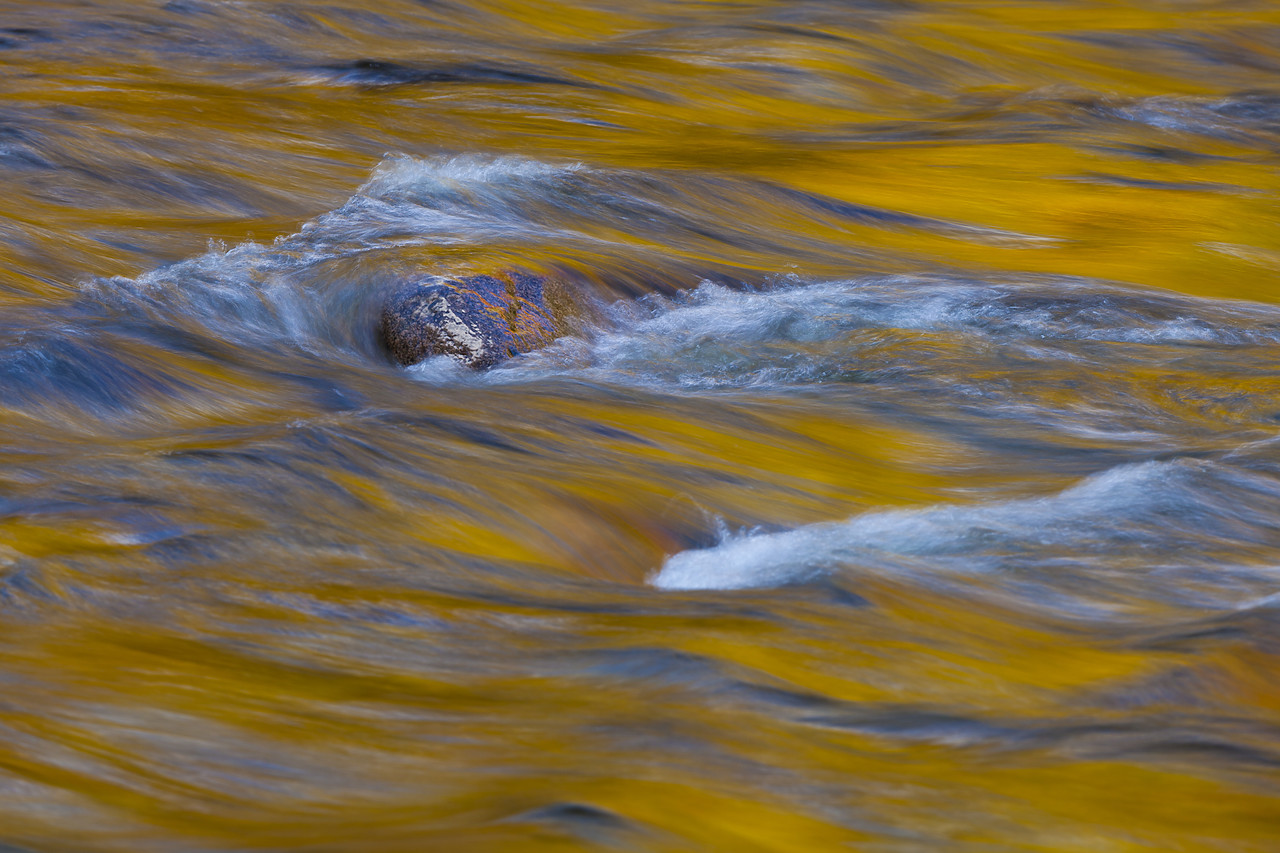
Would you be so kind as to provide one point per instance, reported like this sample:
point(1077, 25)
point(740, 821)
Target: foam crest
point(1247, 117)
point(801, 333)
point(400, 173)
point(1160, 510)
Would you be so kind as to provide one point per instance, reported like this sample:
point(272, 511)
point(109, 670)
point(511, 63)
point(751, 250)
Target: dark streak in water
point(378, 74)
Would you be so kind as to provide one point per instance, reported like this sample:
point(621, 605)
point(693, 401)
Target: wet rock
point(479, 320)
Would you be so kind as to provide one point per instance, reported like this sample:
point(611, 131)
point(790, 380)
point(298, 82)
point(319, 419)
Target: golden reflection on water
point(273, 593)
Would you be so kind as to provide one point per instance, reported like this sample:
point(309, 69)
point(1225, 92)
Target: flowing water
point(909, 479)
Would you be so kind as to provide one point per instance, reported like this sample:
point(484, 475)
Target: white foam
point(797, 333)
point(1132, 505)
point(398, 172)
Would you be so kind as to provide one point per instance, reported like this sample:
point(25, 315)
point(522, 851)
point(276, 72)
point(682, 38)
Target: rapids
point(908, 478)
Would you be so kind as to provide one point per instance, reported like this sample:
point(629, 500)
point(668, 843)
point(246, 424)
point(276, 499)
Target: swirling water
point(909, 479)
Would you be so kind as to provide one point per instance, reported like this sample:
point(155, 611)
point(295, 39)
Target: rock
point(479, 320)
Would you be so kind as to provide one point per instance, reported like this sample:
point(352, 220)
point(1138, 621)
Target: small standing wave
point(311, 299)
point(1195, 532)
point(937, 330)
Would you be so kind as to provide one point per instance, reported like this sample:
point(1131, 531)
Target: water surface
point(909, 479)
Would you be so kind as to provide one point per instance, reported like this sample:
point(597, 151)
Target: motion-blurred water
point(910, 479)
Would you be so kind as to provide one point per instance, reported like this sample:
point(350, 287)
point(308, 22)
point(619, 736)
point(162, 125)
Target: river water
point(909, 479)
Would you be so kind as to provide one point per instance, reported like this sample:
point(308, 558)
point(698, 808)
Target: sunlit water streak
point(908, 478)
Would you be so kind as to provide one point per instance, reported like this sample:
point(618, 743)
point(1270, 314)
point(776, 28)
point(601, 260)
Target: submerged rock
point(478, 320)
